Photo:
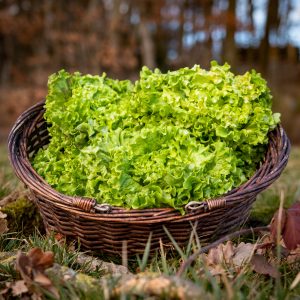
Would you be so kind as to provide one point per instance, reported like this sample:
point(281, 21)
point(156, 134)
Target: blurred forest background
point(39, 37)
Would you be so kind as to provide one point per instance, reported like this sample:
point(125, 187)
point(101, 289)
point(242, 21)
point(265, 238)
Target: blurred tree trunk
point(147, 42)
point(115, 21)
point(272, 22)
point(251, 50)
point(160, 38)
point(183, 7)
point(229, 44)
point(207, 46)
point(92, 28)
point(147, 46)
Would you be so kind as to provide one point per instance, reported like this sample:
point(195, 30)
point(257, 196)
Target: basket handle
point(197, 206)
point(90, 205)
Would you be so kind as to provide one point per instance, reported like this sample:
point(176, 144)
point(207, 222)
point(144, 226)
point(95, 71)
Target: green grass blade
point(178, 249)
point(146, 254)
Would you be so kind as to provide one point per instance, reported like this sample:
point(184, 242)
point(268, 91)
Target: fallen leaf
point(228, 251)
point(227, 255)
point(266, 244)
point(242, 254)
point(35, 260)
point(41, 260)
point(3, 223)
point(295, 282)
point(262, 266)
point(279, 216)
point(46, 283)
point(19, 287)
point(16, 288)
point(35, 297)
point(213, 257)
point(32, 267)
point(221, 254)
point(294, 256)
point(217, 270)
point(283, 251)
point(42, 279)
point(217, 259)
point(291, 233)
point(23, 265)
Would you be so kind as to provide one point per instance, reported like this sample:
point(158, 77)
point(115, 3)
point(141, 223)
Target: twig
point(185, 264)
point(12, 197)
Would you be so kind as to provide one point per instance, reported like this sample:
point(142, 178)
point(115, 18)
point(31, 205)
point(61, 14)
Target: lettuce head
point(167, 139)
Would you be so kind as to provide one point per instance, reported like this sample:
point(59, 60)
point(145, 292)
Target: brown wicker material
point(102, 228)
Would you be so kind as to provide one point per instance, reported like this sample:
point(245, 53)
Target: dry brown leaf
point(242, 254)
point(291, 233)
point(213, 257)
point(35, 260)
point(262, 266)
point(221, 254)
point(42, 279)
point(41, 260)
point(36, 297)
point(289, 226)
point(228, 251)
point(19, 287)
point(32, 267)
point(23, 265)
point(266, 243)
point(281, 250)
point(216, 270)
point(227, 257)
point(15, 288)
point(46, 261)
point(218, 257)
point(3, 223)
point(46, 283)
point(294, 256)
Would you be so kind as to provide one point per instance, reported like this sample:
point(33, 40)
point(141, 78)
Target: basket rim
point(269, 170)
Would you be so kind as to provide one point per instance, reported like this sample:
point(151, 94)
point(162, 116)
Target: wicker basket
point(102, 228)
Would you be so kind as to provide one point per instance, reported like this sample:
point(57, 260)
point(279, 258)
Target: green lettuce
point(167, 139)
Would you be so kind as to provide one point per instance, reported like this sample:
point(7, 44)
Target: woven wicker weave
point(102, 229)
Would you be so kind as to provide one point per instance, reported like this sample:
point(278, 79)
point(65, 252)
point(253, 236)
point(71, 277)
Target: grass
point(235, 285)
